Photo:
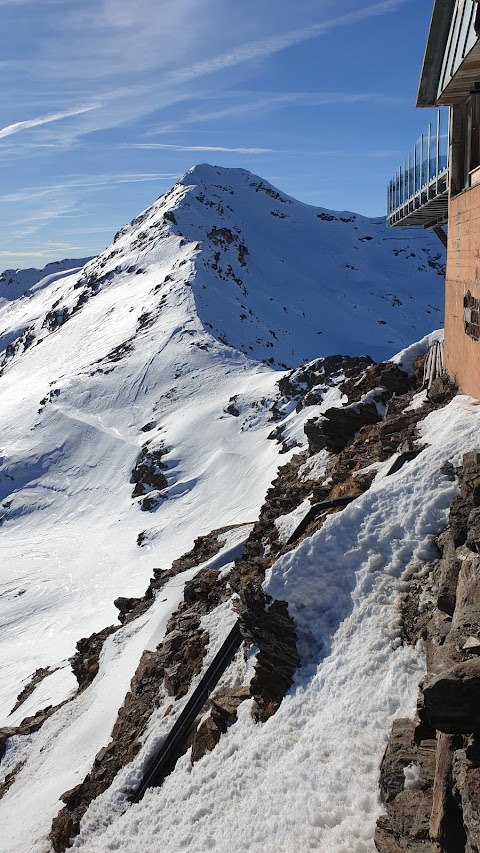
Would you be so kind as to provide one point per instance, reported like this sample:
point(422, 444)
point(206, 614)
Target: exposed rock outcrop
point(167, 671)
point(449, 700)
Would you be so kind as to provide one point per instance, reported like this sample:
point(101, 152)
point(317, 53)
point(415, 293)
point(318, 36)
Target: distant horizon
point(102, 102)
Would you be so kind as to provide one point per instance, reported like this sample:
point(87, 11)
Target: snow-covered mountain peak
point(137, 392)
point(279, 280)
point(145, 408)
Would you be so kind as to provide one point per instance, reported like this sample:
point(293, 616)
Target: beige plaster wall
point(462, 353)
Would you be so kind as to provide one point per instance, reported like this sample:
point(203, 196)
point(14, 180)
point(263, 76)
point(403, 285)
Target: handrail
point(423, 176)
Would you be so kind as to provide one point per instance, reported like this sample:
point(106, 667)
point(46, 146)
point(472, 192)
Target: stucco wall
point(462, 352)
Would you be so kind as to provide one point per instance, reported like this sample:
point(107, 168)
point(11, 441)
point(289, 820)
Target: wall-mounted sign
point(471, 316)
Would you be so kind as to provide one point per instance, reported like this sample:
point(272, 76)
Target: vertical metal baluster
point(421, 163)
point(448, 136)
point(409, 177)
point(415, 169)
point(438, 149)
point(429, 150)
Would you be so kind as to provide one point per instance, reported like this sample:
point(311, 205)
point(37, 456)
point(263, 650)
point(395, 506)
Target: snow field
point(72, 465)
point(308, 778)
point(155, 356)
point(58, 756)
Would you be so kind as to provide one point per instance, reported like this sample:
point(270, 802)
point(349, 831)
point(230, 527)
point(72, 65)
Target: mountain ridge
point(140, 413)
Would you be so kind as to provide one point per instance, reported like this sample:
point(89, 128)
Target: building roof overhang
point(434, 53)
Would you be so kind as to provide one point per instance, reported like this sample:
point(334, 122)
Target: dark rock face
point(384, 375)
point(466, 780)
point(459, 512)
point(452, 699)
point(325, 372)
point(449, 701)
point(273, 632)
point(36, 679)
point(338, 426)
point(470, 485)
point(167, 671)
point(85, 662)
point(448, 570)
point(402, 751)
point(222, 715)
point(349, 427)
point(148, 472)
point(5, 733)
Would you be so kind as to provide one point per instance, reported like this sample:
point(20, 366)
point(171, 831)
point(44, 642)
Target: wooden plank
point(442, 786)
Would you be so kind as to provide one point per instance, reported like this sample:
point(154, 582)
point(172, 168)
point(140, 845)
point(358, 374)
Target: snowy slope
point(307, 779)
point(135, 339)
point(15, 283)
point(164, 353)
point(285, 282)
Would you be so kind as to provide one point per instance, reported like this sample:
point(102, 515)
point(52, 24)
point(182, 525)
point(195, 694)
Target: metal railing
point(418, 193)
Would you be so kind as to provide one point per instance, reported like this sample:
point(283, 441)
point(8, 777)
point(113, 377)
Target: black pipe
point(197, 700)
point(315, 510)
point(404, 457)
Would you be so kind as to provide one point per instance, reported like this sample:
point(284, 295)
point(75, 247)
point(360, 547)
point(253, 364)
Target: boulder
point(338, 426)
point(227, 702)
point(452, 698)
point(5, 734)
point(470, 486)
point(466, 777)
point(125, 605)
point(473, 530)
point(447, 572)
point(207, 736)
point(458, 519)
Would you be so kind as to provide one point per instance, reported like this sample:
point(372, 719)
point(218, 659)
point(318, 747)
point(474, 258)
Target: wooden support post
point(442, 786)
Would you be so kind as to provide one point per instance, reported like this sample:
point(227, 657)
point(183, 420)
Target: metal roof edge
point(434, 53)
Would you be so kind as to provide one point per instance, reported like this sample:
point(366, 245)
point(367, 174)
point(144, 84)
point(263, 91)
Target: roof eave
point(434, 53)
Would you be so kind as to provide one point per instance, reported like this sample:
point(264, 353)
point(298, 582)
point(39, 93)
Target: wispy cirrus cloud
point(46, 119)
point(85, 87)
point(265, 47)
point(110, 50)
point(158, 146)
point(85, 182)
point(252, 102)
point(41, 206)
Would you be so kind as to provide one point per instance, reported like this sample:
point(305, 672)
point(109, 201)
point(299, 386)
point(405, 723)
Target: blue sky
point(104, 103)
